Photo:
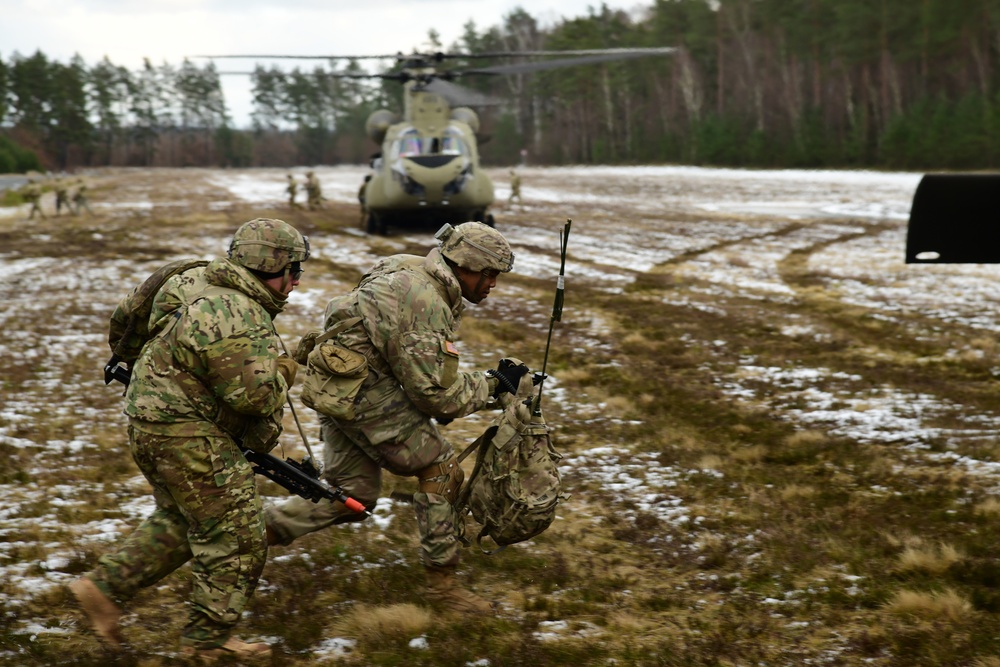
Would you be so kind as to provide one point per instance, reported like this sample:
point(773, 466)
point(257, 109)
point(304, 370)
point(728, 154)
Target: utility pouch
point(334, 375)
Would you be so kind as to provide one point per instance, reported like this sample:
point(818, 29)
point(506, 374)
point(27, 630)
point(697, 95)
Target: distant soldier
point(314, 193)
point(32, 194)
point(292, 190)
point(515, 188)
point(361, 198)
point(80, 198)
point(62, 197)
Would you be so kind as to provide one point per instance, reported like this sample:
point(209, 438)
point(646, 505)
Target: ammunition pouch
point(333, 375)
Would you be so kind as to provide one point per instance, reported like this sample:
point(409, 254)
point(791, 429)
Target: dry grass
point(702, 530)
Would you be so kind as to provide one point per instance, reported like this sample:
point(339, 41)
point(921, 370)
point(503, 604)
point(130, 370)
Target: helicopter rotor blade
point(542, 65)
point(460, 95)
point(291, 57)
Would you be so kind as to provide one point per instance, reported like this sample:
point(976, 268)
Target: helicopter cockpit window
point(409, 144)
point(452, 144)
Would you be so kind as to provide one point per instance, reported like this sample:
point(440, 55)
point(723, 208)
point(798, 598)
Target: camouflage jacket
point(208, 354)
point(410, 307)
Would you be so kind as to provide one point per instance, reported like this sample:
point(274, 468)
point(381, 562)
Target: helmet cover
point(268, 245)
point(476, 247)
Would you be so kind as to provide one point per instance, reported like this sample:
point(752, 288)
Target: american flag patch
point(450, 348)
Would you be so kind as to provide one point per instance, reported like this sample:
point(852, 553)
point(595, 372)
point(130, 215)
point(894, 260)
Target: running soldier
point(403, 317)
point(62, 197)
point(515, 188)
point(32, 194)
point(293, 190)
point(80, 198)
point(314, 192)
point(209, 380)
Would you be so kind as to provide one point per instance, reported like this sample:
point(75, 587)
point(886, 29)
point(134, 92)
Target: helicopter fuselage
point(428, 169)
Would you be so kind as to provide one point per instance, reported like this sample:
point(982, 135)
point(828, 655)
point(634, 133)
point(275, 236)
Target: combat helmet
point(268, 245)
point(475, 246)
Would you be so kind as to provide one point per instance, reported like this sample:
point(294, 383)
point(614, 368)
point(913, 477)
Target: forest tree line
point(903, 84)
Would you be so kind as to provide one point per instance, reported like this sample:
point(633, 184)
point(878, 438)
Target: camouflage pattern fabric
point(208, 512)
point(33, 195)
point(215, 351)
point(515, 188)
point(62, 198)
point(314, 193)
point(410, 308)
point(80, 198)
point(221, 352)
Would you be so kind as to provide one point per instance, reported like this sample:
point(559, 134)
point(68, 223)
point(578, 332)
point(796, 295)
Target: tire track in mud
point(899, 360)
point(907, 350)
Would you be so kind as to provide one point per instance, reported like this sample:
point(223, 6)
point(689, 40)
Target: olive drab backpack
point(129, 329)
point(515, 486)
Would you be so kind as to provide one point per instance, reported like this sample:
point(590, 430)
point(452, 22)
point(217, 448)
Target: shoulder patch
point(449, 348)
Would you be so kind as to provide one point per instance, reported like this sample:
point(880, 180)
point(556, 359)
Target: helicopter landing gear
point(484, 217)
point(375, 225)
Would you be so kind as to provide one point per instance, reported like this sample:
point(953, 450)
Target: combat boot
point(443, 591)
point(102, 613)
point(233, 650)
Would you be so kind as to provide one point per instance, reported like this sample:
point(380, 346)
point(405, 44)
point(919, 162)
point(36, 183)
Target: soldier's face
point(476, 285)
point(283, 284)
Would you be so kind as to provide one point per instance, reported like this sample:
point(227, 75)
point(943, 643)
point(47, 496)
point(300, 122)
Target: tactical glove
point(508, 375)
point(288, 369)
point(305, 346)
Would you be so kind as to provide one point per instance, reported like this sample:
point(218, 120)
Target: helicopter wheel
point(375, 225)
point(490, 221)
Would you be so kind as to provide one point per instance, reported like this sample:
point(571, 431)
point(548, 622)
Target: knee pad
point(444, 478)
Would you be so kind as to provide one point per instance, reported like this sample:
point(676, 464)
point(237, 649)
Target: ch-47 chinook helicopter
point(428, 169)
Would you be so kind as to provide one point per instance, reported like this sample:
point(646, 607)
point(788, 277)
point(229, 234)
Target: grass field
point(778, 439)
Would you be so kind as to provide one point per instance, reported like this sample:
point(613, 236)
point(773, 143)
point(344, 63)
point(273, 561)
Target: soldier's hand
point(508, 374)
point(288, 369)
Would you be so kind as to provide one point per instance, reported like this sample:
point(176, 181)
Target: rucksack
point(129, 329)
point(515, 487)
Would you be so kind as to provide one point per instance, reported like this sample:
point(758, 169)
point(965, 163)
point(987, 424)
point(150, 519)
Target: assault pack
point(515, 486)
point(129, 329)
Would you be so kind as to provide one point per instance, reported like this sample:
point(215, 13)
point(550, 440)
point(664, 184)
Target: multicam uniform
point(62, 198)
point(33, 195)
point(213, 369)
point(293, 190)
point(410, 308)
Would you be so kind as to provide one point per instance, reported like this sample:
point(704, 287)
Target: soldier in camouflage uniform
point(33, 194)
point(407, 309)
point(314, 193)
point(293, 190)
point(212, 373)
point(80, 198)
point(62, 197)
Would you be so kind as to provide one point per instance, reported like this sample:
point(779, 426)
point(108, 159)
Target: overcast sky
point(126, 31)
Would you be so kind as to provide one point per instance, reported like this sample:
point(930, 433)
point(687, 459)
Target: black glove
point(508, 375)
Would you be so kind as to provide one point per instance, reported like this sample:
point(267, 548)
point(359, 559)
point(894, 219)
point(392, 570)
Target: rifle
point(299, 478)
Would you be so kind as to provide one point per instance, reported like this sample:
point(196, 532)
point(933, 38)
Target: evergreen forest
point(894, 84)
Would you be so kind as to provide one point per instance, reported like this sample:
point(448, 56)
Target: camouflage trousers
point(353, 463)
point(208, 512)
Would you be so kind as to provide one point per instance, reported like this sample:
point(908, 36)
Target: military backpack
point(515, 486)
point(129, 329)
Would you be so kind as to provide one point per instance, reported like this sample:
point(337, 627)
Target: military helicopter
point(428, 168)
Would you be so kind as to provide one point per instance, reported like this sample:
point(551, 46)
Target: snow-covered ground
point(728, 231)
